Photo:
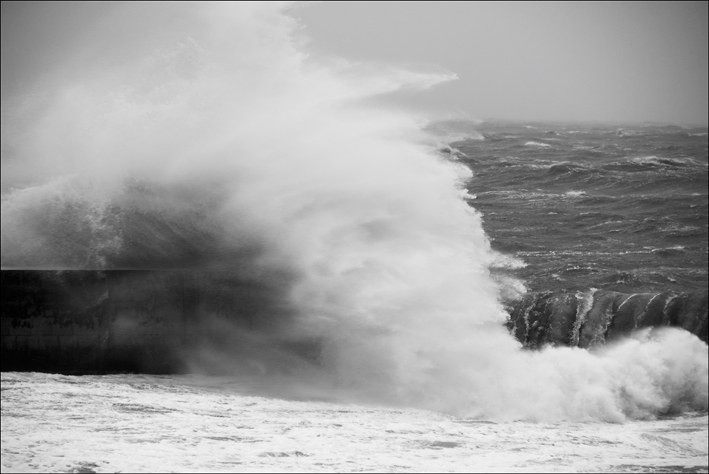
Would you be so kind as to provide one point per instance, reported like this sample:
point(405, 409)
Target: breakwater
point(120, 320)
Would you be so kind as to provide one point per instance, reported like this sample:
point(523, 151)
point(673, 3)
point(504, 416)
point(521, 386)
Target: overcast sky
point(536, 60)
point(608, 61)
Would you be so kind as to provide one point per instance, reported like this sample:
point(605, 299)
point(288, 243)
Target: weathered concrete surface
point(120, 320)
point(593, 318)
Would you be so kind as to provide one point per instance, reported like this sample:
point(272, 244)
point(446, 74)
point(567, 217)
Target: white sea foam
point(539, 144)
point(389, 266)
point(656, 160)
point(146, 423)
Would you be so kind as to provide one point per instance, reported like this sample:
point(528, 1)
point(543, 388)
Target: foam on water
point(231, 148)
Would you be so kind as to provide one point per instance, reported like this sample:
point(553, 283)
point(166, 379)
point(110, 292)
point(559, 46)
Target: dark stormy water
point(621, 208)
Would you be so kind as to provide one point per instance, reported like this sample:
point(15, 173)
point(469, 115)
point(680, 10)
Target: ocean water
point(393, 240)
point(592, 205)
point(148, 423)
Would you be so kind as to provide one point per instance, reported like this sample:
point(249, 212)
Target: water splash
point(230, 148)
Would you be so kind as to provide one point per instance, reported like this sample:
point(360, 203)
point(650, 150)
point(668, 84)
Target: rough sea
point(575, 206)
point(394, 242)
point(592, 205)
point(142, 423)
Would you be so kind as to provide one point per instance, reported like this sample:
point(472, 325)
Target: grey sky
point(614, 61)
point(536, 60)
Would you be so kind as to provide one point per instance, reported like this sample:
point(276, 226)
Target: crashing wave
point(237, 152)
point(594, 318)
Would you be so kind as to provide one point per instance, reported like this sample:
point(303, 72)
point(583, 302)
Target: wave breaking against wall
point(596, 317)
point(227, 186)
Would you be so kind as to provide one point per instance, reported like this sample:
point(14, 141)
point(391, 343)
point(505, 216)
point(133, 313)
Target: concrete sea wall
point(119, 320)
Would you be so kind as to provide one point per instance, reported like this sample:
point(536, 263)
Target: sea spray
point(228, 148)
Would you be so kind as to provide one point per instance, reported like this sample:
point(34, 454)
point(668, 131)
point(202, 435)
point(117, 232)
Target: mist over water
point(227, 148)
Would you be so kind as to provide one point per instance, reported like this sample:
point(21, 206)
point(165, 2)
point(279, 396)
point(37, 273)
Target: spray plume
point(228, 148)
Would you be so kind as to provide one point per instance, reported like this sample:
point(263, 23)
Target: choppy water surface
point(616, 207)
point(144, 423)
